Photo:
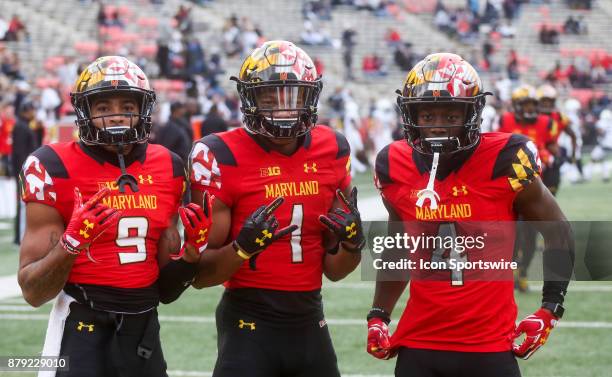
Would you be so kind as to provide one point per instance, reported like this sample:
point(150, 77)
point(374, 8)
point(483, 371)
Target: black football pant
point(102, 344)
point(412, 362)
point(524, 245)
point(551, 177)
point(250, 347)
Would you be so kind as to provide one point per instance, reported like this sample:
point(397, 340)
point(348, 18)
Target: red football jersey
point(127, 253)
point(540, 132)
point(469, 311)
point(561, 122)
point(245, 175)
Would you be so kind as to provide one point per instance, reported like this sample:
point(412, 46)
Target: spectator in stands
point(101, 18)
point(194, 57)
point(336, 103)
point(511, 8)
point(512, 67)
point(7, 123)
point(213, 123)
point(442, 20)
point(404, 57)
point(392, 37)
point(183, 19)
point(487, 52)
point(548, 35)
point(25, 141)
point(67, 73)
point(319, 65)
point(50, 103)
point(491, 13)
point(115, 20)
point(314, 36)
point(16, 29)
point(570, 26)
point(507, 30)
point(173, 135)
point(348, 44)
point(10, 66)
point(3, 28)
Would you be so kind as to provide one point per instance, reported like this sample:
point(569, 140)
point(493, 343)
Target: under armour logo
point(350, 229)
point(308, 169)
point(460, 191)
point(88, 225)
point(148, 179)
point(242, 324)
point(90, 328)
point(265, 234)
point(202, 234)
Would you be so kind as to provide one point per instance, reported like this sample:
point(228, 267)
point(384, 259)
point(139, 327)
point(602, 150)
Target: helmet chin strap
point(429, 193)
point(436, 145)
point(125, 178)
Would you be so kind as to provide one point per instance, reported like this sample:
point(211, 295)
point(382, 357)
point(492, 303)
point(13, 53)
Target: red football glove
point(88, 221)
point(379, 345)
point(197, 222)
point(536, 327)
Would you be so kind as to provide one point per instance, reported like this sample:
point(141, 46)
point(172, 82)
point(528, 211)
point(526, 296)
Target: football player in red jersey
point(547, 98)
point(526, 120)
point(280, 170)
point(461, 322)
point(101, 227)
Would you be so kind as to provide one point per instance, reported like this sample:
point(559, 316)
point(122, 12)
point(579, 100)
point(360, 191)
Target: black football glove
point(346, 224)
point(259, 231)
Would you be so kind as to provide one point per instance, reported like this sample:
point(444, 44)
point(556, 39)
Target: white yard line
point(16, 308)
point(9, 287)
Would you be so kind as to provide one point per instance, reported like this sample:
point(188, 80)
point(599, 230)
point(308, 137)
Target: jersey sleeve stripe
point(507, 155)
point(220, 149)
point(52, 162)
point(383, 174)
point(344, 149)
point(178, 166)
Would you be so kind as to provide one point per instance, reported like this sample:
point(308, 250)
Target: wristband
point(241, 253)
point(555, 308)
point(68, 247)
point(379, 313)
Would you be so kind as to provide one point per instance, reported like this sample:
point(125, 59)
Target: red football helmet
point(279, 89)
point(442, 78)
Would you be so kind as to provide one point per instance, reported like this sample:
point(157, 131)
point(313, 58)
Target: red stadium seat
point(148, 22)
point(147, 50)
point(86, 47)
point(52, 62)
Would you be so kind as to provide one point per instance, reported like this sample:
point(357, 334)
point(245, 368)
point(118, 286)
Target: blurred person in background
point(25, 141)
point(213, 123)
point(601, 153)
point(547, 104)
point(572, 108)
point(526, 120)
point(173, 135)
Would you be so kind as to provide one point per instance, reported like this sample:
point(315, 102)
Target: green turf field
point(580, 347)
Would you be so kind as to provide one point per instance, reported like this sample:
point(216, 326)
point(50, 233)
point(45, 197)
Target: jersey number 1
point(297, 218)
